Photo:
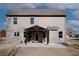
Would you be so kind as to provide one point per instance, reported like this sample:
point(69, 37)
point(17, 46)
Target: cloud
point(73, 24)
point(61, 6)
point(76, 14)
point(67, 6)
point(17, 5)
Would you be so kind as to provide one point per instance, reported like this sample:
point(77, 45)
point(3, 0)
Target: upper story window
point(32, 20)
point(15, 20)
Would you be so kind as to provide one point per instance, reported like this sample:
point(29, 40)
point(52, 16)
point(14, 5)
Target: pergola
point(37, 28)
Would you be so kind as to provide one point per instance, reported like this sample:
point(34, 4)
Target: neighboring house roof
point(70, 32)
point(36, 12)
point(2, 33)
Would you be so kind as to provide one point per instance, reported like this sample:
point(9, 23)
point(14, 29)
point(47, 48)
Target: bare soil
point(9, 49)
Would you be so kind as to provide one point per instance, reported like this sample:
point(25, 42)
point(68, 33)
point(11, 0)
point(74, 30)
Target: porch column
point(47, 36)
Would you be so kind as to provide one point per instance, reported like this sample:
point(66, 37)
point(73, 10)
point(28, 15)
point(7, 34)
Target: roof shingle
point(37, 12)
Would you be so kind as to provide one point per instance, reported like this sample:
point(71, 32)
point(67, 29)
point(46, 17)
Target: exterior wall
point(24, 22)
point(53, 21)
point(53, 36)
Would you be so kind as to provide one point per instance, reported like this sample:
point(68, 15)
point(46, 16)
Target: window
point(16, 33)
point(15, 20)
point(60, 34)
point(32, 20)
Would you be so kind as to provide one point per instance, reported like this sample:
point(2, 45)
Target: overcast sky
point(71, 11)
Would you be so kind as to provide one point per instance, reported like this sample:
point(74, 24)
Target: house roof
point(36, 12)
point(36, 28)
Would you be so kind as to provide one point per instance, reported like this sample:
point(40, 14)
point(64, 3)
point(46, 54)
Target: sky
point(70, 9)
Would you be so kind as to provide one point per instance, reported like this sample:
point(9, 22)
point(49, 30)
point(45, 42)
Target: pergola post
point(47, 36)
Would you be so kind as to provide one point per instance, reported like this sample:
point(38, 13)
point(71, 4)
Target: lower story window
point(60, 34)
point(16, 33)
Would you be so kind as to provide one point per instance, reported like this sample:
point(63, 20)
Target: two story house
point(36, 26)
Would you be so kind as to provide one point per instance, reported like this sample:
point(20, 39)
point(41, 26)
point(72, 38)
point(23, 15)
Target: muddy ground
point(10, 49)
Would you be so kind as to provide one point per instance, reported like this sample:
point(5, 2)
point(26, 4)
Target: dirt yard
point(9, 49)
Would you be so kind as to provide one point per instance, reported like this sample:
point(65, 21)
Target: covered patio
point(36, 34)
